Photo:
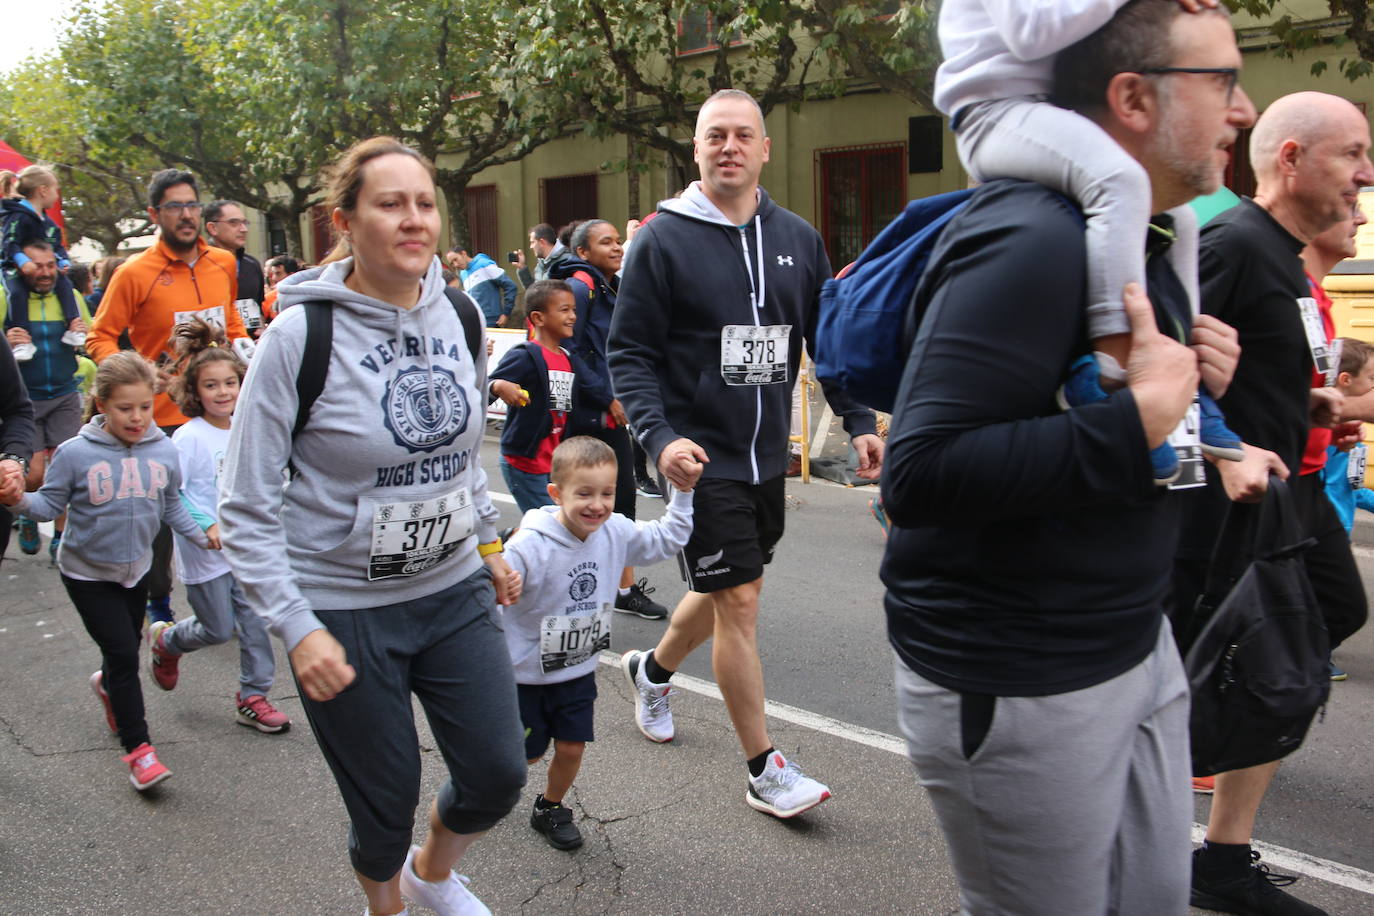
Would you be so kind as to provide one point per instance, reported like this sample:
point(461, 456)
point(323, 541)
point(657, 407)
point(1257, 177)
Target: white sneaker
point(447, 898)
point(74, 338)
point(782, 791)
point(24, 352)
point(652, 714)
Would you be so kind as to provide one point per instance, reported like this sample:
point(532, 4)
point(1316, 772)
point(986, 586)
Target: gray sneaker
point(652, 714)
point(782, 791)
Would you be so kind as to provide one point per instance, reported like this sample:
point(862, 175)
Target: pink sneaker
point(256, 712)
point(98, 688)
point(145, 770)
point(165, 663)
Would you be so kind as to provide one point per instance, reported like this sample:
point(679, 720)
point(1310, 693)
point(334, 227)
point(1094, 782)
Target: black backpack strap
point(474, 323)
point(319, 342)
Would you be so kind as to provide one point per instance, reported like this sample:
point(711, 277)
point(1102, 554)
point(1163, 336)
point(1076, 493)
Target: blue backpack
point(863, 330)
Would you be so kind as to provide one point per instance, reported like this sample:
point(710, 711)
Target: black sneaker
point(1253, 892)
point(648, 488)
point(557, 825)
point(637, 601)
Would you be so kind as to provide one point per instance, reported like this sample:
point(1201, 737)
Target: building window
point(482, 229)
point(862, 189)
point(567, 198)
point(696, 31)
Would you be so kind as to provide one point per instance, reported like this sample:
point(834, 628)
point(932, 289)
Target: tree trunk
point(632, 177)
point(454, 186)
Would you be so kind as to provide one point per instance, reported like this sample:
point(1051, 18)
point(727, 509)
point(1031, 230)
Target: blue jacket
point(51, 373)
point(1345, 498)
point(20, 224)
point(530, 425)
point(595, 299)
point(486, 282)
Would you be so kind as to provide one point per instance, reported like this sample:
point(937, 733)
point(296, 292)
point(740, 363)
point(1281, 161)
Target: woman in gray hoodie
point(375, 564)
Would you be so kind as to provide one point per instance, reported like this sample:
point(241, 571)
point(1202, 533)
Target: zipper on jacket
point(758, 389)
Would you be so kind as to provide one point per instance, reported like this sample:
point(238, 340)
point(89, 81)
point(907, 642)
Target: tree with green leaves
point(1348, 21)
point(641, 68)
point(44, 114)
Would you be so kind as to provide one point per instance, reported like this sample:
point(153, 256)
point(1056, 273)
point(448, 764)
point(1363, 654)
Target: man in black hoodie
point(226, 227)
point(717, 299)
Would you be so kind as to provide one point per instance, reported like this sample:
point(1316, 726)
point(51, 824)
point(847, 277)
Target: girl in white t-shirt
point(206, 389)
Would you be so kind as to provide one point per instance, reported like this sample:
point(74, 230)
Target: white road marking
point(501, 497)
point(1366, 553)
point(1283, 859)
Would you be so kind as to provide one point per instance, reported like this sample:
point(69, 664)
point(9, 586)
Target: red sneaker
point(145, 770)
point(256, 712)
point(98, 687)
point(1204, 785)
point(165, 662)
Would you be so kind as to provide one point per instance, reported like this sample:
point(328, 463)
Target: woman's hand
point(507, 581)
point(321, 666)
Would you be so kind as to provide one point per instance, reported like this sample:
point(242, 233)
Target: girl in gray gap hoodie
point(118, 479)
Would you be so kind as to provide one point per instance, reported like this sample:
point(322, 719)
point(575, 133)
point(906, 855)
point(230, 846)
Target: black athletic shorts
point(736, 525)
point(556, 712)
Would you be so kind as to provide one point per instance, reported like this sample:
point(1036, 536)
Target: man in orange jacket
point(179, 278)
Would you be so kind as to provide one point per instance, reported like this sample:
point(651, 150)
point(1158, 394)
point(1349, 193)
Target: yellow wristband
point(486, 550)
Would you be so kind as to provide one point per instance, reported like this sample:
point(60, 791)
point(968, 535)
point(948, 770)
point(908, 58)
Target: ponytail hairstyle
point(197, 343)
point(344, 180)
point(127, 367)
point(8, 181)
point(33, 177)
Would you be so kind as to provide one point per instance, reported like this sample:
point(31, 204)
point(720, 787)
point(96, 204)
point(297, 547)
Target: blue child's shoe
point(1083, 386)
point(1217, 438)
point(28, 536)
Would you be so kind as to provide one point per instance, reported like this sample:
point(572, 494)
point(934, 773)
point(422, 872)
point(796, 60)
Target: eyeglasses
point(233, 222)
point(1232, 75)
point(181, 206)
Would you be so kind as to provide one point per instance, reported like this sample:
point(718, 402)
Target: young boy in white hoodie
point(570, 555)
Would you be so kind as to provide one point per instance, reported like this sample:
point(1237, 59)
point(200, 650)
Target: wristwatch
point(19, 459)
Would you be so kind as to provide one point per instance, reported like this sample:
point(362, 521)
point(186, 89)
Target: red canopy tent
point(9, 159)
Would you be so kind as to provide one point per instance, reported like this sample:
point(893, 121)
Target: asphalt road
point(252, 824)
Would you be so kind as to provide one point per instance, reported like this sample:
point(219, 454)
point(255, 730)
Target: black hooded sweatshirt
point(691, 280)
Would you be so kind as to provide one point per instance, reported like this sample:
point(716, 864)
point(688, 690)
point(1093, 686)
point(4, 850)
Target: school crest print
point(422, 419)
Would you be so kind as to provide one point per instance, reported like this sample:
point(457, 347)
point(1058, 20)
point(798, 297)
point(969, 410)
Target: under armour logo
point(785, 260)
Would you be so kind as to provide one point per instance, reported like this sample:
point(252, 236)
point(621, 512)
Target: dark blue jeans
point(530, 490)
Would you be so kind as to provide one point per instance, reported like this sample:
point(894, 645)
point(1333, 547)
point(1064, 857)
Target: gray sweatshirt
point(389, 500)
point(116, 496)
point(563, 617)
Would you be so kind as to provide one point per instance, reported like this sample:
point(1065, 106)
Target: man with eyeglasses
point(227, 228)
point(1310, 154)
point(177, 279)
point(1027, 566)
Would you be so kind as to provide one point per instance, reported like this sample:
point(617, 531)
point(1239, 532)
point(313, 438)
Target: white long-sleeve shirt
point(998, 49)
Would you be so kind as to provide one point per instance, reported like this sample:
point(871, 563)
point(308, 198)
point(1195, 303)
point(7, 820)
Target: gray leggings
point(221, 610)
point(449, 651)
point(1031, 139)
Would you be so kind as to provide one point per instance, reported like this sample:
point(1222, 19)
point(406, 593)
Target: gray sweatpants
point(221, 610)
point(1077, 804)
point(1031, 139)
point(449, 651)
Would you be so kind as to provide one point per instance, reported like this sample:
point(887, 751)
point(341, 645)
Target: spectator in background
point(226, 227)
point(101, 273)
point(276, 269)
point(547, 249)
point(485, 281)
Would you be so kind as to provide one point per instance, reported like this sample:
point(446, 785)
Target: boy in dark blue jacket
point(543, 384)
